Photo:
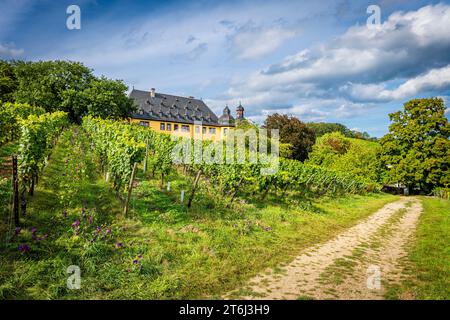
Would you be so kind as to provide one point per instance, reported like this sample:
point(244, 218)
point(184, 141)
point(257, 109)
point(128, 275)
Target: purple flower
point(67, 161)
point(33, 230)
point(90, 220)
point(76, 223)
point(140, 256)
point(97, 231)
point(135, 261)
point(24, 248)
point(17, 231)
point(108, 231)
point(45, 236)
point(268, 228)
point(119, 244)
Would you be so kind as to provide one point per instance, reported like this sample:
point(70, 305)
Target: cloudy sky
point(317, 60)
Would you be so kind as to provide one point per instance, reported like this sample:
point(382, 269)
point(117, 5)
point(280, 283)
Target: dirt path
point(355, 265)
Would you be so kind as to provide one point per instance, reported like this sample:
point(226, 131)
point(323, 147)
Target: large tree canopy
point(64, 85)
point(8, 82)
point(293, 132)
point(417, 148)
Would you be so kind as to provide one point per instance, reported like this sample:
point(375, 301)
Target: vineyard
point(107, 196)
point(120, 145)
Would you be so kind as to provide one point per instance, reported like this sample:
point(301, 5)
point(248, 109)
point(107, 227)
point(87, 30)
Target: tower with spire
point(240, 112)
point(226, 118)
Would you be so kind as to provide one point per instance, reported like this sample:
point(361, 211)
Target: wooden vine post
point(194, 187)
point(15, 191)
point(146, 155)
point(130, 188)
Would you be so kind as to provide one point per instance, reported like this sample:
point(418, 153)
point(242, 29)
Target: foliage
point(337, 152)
point(65, 86)
point(103, 98)
point(322, 128)
point(117, 147)
point(10, 114)
point(294, 132)
point(38, 136)
point(417, 148)
point(8, 81)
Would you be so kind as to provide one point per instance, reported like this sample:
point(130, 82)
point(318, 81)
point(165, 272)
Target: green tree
point(44, 83)
point(417, 148)
point(321, 128)
point(104, 98)
point(8, 81)
point(70, 87)
point(294, 132)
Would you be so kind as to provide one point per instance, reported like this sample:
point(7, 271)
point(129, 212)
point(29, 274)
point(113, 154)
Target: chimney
point(152, 92)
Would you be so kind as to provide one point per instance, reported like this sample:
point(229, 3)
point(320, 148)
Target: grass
point(167, 252)
point(428, 262)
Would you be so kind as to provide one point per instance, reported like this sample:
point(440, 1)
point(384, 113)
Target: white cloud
point(9, 50)
point(255, 42)
point(335, 79)
point(433, 80)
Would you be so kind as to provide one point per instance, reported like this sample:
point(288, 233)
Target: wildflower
point(140, 256)
point(268, 228)
point(119, 244)
point(108, 231)
point(24, 248)
point(76, 223)
point(90, 220)
point(97, 231)
point(45, 236)
point(135, 261)
point(33, 230)
point(17, 231)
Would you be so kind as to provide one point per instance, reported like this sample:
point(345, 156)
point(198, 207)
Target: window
point(162, 126)
point(169, 126)
point(225, 131)
point(185, 128)
point(197, 129)
point(175, 127)
point(212, 130)
point(143, 123)
point(204, 130)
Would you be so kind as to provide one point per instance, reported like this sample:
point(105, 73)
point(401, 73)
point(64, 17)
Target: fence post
point(15, 191)
point(130, 188)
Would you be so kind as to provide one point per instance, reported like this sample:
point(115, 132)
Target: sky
point(318, 60)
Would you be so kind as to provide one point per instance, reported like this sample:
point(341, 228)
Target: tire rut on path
point(341, 267)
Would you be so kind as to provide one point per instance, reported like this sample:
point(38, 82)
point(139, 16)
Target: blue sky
point(317, 60)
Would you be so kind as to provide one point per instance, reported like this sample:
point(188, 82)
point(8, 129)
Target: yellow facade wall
point(192, 133)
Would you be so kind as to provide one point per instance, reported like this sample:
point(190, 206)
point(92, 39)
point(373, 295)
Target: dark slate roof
point(166, 107)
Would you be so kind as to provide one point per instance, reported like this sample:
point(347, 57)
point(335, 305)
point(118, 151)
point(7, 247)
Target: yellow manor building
point(182, 116)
